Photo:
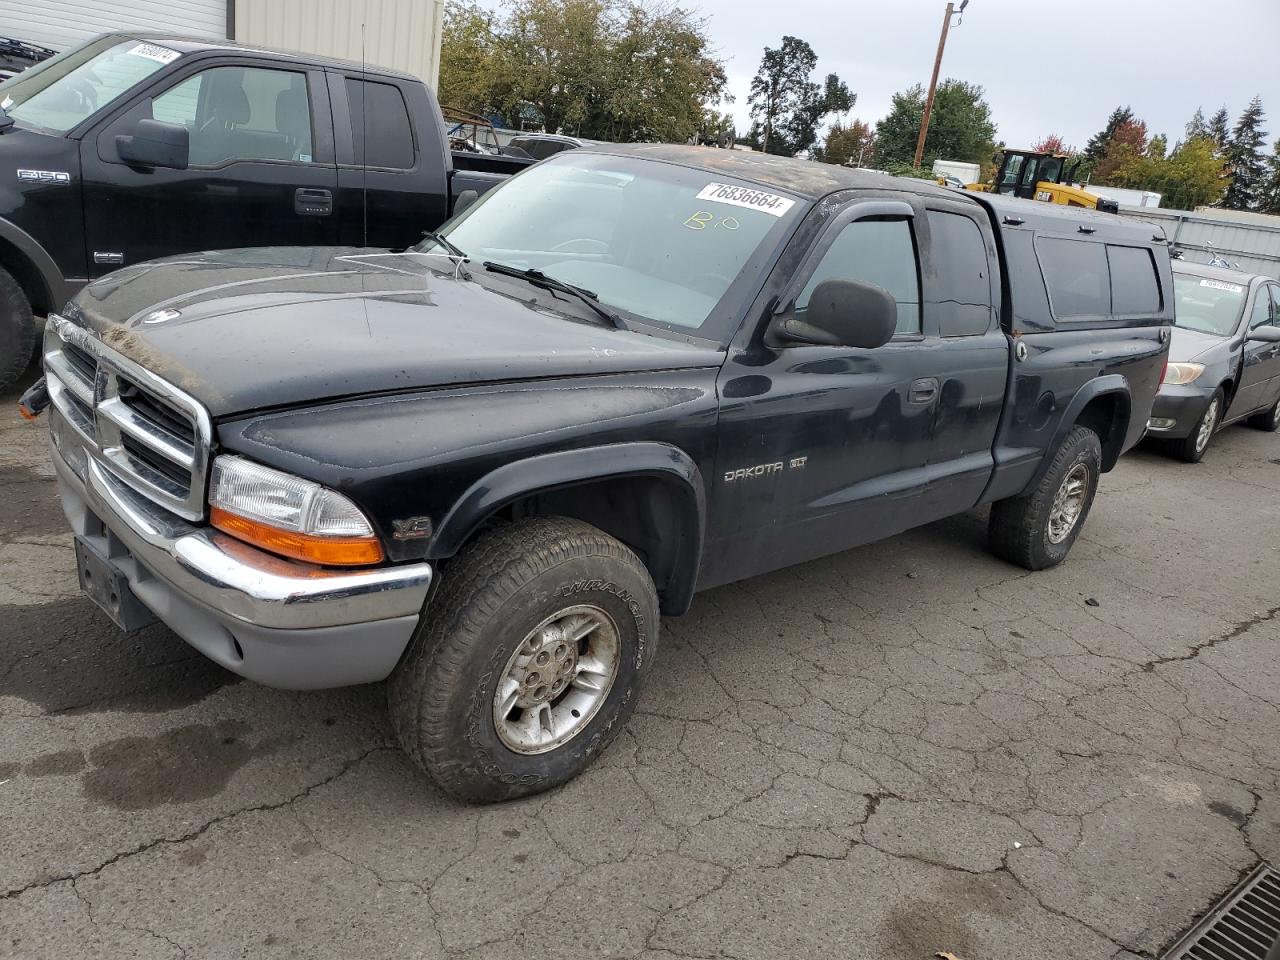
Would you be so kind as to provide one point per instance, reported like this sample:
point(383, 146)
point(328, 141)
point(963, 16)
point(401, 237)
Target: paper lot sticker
point(770, 203)
point(153, 52)
point(1222, 285)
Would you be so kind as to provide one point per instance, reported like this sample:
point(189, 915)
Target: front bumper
point(279, 623)
point(1177, 410)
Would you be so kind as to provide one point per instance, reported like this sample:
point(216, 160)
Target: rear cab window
point(1090, 279)
point(380, 129)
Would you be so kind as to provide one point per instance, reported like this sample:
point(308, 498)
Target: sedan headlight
point(288, 515)
point(1180, 373)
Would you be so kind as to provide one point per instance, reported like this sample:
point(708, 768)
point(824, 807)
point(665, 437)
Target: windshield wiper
point(540, 279)
point(451, 248)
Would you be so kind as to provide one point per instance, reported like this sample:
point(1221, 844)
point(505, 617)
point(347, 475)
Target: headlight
point(1179, 373)
point(288, 515)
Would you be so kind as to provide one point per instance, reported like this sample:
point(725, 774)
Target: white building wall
point(399, 34)
point(65, 23)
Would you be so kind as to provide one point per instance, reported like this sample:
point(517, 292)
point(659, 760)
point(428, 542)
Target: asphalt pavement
point(904, 749)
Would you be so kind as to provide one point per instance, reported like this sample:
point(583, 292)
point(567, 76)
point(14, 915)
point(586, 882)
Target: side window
point(1135, 288)
point(1075, 272)
point(1261, 313)
point(874, 251)
point(241, 113)
point(960, 292)
point(380, 128)
point(1275, 303)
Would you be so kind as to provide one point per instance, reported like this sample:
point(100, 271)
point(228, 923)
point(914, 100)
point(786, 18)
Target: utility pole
point(933, 82)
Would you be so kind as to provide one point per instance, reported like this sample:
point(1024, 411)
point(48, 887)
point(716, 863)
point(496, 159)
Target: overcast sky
point(1047, 68)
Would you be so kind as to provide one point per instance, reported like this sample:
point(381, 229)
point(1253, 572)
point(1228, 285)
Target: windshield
point(58, 94)
point(659, 241)
point(1207, 305)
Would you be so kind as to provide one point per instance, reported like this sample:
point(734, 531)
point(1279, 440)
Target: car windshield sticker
point(1222, 285)
point(770, 203)
point(153, 52)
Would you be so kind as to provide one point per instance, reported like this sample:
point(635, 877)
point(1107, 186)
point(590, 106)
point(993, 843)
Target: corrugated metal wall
point(1254, 244)
point(64, 23)
point(400, 34)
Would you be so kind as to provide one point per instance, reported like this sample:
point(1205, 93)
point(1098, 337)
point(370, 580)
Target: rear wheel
point(17, 331)
point(1268, 420)
point(1037, 530)
point(1192, 448)
point(529, 661)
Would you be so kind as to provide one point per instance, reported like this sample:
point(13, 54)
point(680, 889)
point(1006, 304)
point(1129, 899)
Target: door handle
point(311, 202)
point(923, 391)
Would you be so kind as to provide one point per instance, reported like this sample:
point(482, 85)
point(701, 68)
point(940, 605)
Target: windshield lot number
point(770, 203)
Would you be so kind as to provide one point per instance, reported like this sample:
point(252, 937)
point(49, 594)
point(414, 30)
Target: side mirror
point(156, 144)
point(843, 313)
point(1265, 334)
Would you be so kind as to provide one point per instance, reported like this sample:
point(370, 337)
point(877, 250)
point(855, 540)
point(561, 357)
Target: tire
point(1268, 420)
point(17, 331)
point(1192, 448)
point(510, 589)
point(1028, 530)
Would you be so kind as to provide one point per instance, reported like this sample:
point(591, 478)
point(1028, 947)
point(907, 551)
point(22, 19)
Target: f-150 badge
point(764, 469)
point(44, 176)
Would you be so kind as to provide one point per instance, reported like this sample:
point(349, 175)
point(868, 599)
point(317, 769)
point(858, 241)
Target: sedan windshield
point(662, 242)
point(1208, 305)
point(58, 94)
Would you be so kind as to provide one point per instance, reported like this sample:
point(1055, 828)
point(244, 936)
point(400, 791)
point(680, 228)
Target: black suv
point(485, 466)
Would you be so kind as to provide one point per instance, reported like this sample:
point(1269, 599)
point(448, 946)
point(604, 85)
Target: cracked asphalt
point(907, 748)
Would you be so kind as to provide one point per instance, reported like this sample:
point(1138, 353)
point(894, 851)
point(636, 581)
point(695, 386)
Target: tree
point(1053, 144)
point(1158, 146)
point(1127, 143)
point(1220, 128)
point(1196, 126)
point(1096, 148)
point(851, 145)
point(1244, 159)
point(605, 69)
point(959, 129)
point(787, 104)
point(1269, 201)
point(1191, 176)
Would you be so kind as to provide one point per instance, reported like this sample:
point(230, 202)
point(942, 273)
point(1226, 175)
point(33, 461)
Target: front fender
point(676, 572)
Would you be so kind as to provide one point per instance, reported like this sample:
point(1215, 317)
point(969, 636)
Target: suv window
point(874, 251)
point(961, 293)
point(380, 130)
point(241, 113)
point(1135, 289)
point(1075, 272)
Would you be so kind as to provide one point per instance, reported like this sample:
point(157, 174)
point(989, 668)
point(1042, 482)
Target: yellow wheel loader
point(1042, 176)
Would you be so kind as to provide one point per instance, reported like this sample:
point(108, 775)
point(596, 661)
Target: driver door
point(1260, 368)
point(261, 170)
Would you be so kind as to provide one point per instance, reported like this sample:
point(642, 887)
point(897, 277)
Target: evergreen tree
point(1269, 201)
point(1245, 160)
point(1196, 126)
point(1096, 148)
point(1220, 129)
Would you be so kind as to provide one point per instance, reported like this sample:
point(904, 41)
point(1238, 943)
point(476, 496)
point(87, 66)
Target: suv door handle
point(310, 202)
point(923, 391)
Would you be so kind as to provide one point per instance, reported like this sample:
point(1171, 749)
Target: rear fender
point(1112, 385)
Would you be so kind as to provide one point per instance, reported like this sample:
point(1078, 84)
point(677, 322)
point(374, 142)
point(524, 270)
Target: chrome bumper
point(281, 623)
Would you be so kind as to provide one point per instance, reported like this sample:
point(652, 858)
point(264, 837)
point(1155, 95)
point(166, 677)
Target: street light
point(933, 83)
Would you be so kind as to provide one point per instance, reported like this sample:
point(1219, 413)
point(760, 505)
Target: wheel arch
point(32, 267)
point(648, 495)
point(1105, 406)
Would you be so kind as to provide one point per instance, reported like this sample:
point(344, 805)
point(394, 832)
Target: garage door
point(64, 23)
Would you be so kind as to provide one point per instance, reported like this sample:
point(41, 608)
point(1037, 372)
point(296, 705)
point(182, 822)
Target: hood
point(1186, 345)
point(244, 330)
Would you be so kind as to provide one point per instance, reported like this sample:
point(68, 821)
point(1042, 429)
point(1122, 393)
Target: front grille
point(148, 433)
point(1243, 926)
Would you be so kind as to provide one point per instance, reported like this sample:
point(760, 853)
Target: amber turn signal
point(326, 551)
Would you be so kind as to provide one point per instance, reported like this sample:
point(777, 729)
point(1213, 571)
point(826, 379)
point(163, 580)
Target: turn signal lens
point(289, 516)
point(1179, 373)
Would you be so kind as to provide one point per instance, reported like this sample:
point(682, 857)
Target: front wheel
point(1192, 448)
point(1037, 530)
point(17, 331)
point(528, 662)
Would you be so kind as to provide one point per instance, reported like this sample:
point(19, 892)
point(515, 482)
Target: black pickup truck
point(132, 147)
point(485, 466)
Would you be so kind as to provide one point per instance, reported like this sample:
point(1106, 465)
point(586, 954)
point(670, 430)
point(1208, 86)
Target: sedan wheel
point(1193, 447)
